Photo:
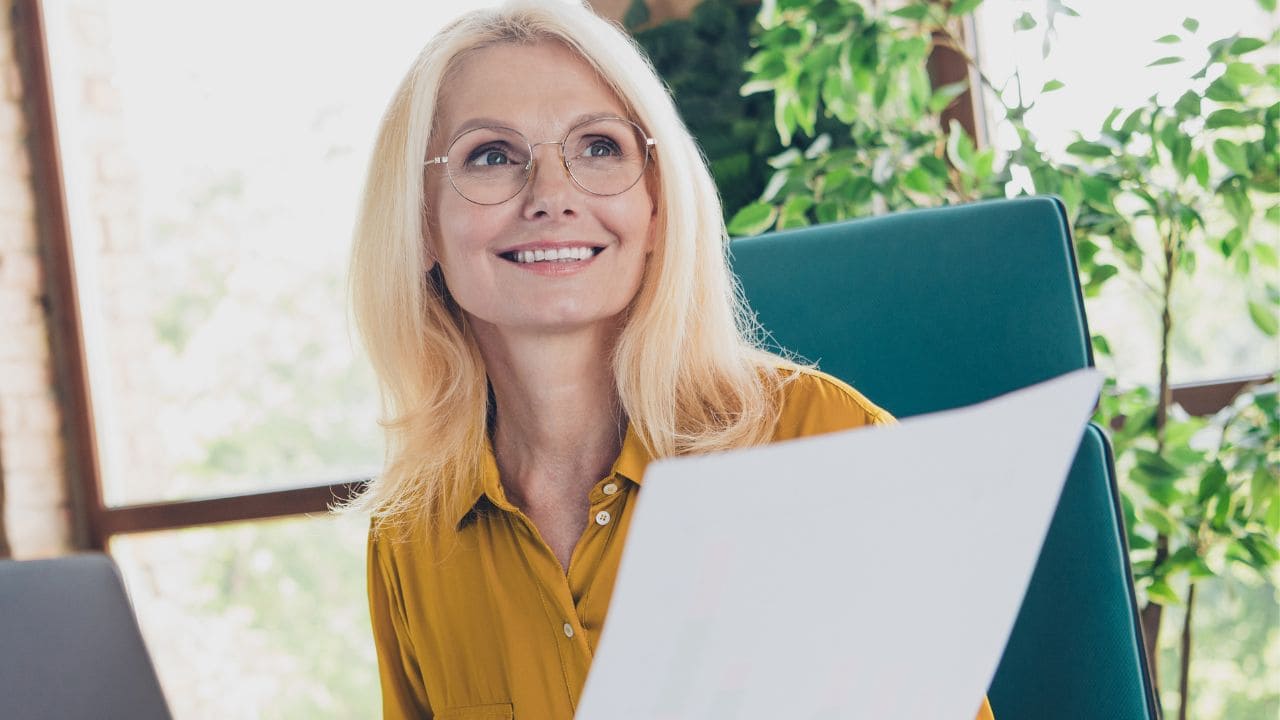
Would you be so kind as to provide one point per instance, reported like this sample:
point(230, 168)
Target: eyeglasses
point(491, 165)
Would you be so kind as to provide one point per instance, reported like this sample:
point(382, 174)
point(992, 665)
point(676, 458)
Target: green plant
point(851, 94)
point(1157, 187)
point(701, 60)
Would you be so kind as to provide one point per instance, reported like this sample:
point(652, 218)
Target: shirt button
point(602, 517)
point(568, 630)
point(610, 489)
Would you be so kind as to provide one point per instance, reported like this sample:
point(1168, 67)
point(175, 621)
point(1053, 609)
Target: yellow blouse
point(478, 620)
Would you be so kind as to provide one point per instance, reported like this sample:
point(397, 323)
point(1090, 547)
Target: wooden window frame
point(94, 522)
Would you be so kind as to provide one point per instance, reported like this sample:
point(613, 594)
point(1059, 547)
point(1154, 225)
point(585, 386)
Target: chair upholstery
point(933, 309)
point(70, 648)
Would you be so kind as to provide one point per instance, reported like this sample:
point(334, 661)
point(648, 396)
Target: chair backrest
point(70, 645)
point(933, 309)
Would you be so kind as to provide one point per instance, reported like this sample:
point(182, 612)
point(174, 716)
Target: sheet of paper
point(873, 573)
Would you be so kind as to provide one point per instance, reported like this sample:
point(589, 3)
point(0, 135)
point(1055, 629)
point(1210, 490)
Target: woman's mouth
point(552, 255)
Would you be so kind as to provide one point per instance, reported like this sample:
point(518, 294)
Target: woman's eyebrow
point(480, 122)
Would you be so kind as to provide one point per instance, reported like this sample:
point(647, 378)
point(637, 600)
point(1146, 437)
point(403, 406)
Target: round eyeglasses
point(491, 165)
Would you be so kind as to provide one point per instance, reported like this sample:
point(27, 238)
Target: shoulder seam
point(875, 414)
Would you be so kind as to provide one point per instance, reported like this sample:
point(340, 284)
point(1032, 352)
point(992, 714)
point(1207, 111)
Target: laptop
point(70, 647)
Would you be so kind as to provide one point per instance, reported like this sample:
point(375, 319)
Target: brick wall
point(36, 518)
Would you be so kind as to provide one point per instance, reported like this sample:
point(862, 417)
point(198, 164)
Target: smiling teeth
point(553, 255)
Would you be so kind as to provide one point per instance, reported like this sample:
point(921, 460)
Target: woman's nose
point(551, 189)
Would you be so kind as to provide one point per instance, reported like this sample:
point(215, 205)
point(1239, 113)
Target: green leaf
point(861, 189)
point(1188, 104)
point(1264, 317)
point(938, 167)
point(1223, 90)
point(775, 185)
point(1135, 120)
point(1246, 45)
point(945, 95)
point(984, 163)
point(1262, 553)
point(960, 148)
point(836, 179)
point(1111, 118)
point(1242, 73)
point(1052, 85)
point(1084, 148)
point(1231, 155)
point(1168, 39)
point(1227, 118)
point(786, 158)
point(766, 65)
point(912, 12)
point(918, 179)
point(1025, 21)
point(794, 212)
point(1266, 255)
point(1101, 346)
point(1182, 559)
point(1072, 195)
point(1179, 151)
point(828, 212)
point(963, 7)
point(1222, 508)
point(1200, 169)
point(1057, 5)
point(818, 147)
point(1168, 60)
point(1268, 5)
point(1262, 486)
point(1162, 594)
point(1240, 208)
point(753, 219)
point(1101, 274)
point(1191, 24)
point(1098, 190)
point(1155, 466)
point(1211, 482)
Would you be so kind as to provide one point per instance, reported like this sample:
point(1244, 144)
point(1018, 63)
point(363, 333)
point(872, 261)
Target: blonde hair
point(690, 375)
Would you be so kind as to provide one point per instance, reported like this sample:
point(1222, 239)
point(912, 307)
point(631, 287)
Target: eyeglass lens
point(491, 165)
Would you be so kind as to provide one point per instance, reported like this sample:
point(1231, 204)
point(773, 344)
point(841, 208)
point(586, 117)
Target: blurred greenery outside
point(257, 620)
point(268, 619)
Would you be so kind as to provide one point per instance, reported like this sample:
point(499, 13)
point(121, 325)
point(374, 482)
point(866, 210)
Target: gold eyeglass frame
point(649, 143)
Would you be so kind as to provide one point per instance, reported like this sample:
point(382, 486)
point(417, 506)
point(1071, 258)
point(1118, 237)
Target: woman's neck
point(559, 426)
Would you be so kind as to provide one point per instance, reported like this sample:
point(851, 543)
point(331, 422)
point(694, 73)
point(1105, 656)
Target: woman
point(539, 276)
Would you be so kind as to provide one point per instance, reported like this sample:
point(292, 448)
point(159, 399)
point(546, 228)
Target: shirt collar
point(631, 463)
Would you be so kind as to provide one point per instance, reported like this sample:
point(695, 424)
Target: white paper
point(874, 573)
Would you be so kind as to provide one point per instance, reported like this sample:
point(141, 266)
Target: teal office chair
point(933, 309)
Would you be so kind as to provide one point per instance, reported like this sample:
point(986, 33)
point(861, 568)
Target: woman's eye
point(488, 156)
point(602, 147)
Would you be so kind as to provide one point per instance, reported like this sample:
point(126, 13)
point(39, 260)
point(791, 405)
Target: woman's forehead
point(542, 87)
